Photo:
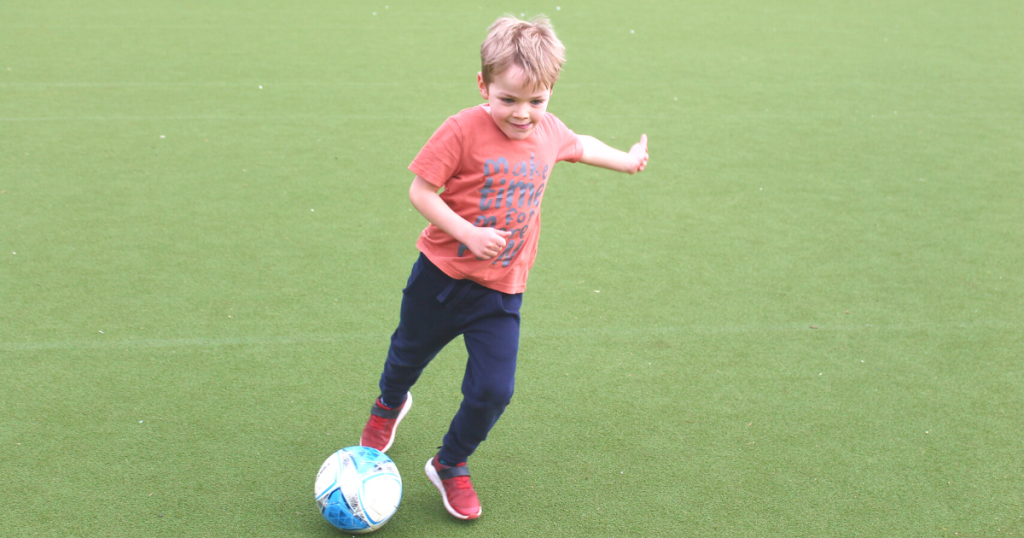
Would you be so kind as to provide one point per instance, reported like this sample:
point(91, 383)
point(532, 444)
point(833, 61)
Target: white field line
point(113, 342)
point(306, 117)
point(661, 117)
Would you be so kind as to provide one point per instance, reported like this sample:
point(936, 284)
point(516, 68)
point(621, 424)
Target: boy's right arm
point(597, 153)
point(484, 243)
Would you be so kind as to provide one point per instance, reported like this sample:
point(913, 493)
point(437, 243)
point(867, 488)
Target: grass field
point(804, 319)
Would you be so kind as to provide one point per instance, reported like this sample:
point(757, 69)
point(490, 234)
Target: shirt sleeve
point(440, 157)
point(570, 147)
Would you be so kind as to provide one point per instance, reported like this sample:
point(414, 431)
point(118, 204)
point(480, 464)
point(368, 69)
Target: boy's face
point(515, 109)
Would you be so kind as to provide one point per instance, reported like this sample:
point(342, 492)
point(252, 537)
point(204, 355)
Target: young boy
point(493, 162)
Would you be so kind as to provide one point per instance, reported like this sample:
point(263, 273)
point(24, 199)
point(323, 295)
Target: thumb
point(504, 233)
point(643, 140)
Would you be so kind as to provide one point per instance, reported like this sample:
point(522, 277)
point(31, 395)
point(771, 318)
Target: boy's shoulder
point(470, 117)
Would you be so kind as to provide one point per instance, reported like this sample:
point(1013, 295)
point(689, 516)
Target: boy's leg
point(492, 341)
point(423, 330)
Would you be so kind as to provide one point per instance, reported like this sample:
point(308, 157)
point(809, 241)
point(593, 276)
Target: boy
point(493, 162)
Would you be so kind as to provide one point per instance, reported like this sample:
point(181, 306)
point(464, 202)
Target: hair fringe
point(532, 45)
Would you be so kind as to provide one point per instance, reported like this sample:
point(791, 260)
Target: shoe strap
point(385, 413)
point(452, 472)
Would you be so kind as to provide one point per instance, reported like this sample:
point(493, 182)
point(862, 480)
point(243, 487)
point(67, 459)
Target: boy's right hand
point(486, 243)
point(639, 152)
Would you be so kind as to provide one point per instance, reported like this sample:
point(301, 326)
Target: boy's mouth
point(521, 126)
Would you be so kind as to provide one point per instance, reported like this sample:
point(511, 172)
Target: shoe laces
point(462, 482)
point(379, 423)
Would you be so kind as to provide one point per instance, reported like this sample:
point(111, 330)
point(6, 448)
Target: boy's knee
point(493, 396)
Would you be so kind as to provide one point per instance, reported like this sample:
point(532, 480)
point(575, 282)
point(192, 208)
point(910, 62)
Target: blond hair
point(531, 45)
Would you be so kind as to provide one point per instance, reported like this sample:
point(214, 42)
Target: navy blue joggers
point(435, 309)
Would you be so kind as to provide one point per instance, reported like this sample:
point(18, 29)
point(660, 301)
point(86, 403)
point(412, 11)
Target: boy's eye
point(537, 102)
point(507, 101)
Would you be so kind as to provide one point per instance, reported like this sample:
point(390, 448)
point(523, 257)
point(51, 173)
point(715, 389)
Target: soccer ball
point(358, 489)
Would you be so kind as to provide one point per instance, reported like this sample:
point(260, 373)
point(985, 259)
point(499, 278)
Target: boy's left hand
point(639, 152)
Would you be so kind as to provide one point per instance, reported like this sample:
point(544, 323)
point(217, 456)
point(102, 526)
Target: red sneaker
point(456, 489)
point(379, 432)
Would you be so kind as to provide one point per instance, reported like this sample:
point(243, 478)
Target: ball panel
point(327, 477)
point(350, 480)
point(381, 494)
point(337, 512)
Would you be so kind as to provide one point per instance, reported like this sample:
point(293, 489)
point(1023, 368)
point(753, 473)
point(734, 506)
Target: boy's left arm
point(597, 153)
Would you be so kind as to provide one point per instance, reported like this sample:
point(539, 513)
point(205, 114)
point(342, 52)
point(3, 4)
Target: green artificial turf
point(804, 319)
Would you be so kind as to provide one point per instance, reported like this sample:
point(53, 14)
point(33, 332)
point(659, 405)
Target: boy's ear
point(480, 83)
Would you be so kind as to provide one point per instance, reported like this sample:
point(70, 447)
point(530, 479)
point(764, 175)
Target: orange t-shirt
point(491, 180)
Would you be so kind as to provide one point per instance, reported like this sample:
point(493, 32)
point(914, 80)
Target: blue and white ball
point(358, 489)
